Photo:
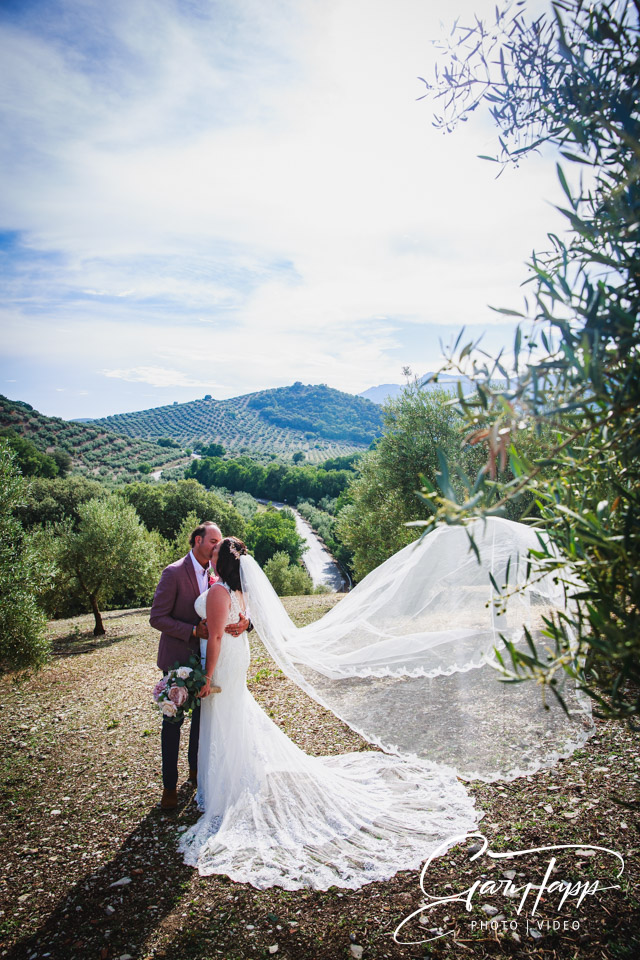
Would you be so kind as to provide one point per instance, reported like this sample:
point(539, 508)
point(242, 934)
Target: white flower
point(184, 672)
point(169, 709)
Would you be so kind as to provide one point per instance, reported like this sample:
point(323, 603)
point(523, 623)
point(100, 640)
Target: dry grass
point(80, 776)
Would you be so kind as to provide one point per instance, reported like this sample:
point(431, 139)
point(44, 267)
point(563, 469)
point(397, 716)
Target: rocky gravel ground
point(89, 863)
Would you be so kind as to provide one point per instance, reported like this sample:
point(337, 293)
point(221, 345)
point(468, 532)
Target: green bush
point(23, 643)
point(211, 450)
point(51, 501)
point(164, 507)
point(287, 579)
point(277, 482)
point(245, 504)
point(384, 495)
point(273, 532)
point(30, 461)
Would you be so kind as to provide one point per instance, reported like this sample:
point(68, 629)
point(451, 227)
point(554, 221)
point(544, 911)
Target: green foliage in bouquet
point(177, 693)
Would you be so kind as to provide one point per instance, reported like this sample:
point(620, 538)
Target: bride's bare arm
point(218, 603)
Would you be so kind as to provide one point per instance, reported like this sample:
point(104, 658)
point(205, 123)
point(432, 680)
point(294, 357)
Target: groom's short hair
point(200, 531)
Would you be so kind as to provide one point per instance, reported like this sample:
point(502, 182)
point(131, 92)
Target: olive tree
point(23, 642)
point(384, 495)
point(287, 579)
point(570, 79)
point(274, 531)
point(108, 552)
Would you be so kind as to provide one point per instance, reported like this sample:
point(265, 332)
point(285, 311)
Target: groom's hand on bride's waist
point(235, 629)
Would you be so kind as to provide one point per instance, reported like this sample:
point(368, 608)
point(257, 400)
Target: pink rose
point(159, 688)
point(178, 695)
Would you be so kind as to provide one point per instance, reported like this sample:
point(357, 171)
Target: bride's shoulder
point(219, 592)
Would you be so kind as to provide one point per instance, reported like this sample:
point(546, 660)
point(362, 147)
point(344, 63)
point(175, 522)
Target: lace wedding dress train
point(408, 659)
point(275, 816)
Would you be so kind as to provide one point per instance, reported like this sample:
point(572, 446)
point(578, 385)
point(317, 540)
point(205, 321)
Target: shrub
point(272, 532)
point(287, 579)
point(23, 643)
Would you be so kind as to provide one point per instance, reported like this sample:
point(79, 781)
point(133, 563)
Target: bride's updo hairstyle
point(228, 561)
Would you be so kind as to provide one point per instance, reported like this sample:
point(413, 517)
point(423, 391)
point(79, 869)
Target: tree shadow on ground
point(78, 641)
point(99, 920)
point(73, 645)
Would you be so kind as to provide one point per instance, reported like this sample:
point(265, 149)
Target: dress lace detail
point(275, 816)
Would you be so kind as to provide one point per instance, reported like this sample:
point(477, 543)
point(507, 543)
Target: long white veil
point(407, 658)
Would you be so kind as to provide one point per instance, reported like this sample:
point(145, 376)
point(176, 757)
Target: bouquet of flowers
point(177, 692)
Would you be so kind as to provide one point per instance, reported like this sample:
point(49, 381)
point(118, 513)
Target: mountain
point(381, 393)
point(94, 451)
point(318, 420)
point(385, 391)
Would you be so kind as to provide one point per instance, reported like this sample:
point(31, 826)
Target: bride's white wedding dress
point(407, 659)
point(273, 815)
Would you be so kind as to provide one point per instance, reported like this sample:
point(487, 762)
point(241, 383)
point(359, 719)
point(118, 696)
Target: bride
point(403, 659)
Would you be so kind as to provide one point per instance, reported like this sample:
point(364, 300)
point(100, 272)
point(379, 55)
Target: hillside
point(319, 409)
point(94, 451)
point(318, 420)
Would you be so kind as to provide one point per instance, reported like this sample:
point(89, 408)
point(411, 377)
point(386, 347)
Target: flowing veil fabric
point(407, 658)
point(276, 816)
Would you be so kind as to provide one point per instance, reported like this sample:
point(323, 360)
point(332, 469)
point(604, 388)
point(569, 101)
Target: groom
point(181, 630)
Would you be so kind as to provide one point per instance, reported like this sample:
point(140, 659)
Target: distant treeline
point(274, 481)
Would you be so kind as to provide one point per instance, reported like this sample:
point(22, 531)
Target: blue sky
point(218, 197)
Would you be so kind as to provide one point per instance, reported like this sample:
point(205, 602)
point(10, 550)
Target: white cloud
point(250, 184)
point(108, 293)
point(156, 377)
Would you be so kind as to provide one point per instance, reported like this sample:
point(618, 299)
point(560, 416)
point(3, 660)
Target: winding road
point(322, 567)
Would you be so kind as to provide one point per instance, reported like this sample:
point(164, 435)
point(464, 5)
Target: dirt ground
point(89, 862)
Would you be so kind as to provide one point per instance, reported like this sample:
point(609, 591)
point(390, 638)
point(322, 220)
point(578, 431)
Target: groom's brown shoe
point(169, 799)
point(193, 777)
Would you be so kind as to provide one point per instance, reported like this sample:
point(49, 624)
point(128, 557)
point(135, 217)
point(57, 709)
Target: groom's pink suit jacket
point(172, 613)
